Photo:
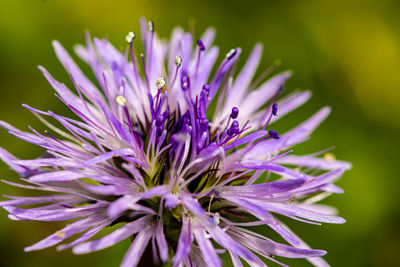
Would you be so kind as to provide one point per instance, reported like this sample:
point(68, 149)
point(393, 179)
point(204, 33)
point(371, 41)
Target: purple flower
point(180, 158)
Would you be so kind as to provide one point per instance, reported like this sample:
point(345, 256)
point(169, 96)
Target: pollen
point(178, 61)
point(160, 82)
point(329, 157)
point(130, 37)
point(60, 234)
point(121, 100)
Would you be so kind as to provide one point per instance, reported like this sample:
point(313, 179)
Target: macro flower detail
point(183, 159)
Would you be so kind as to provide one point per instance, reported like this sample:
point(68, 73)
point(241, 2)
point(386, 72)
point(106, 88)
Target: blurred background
point(347, 52)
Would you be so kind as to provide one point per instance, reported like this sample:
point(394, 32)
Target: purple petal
point(113, 238)
point(63, 175)
point(246, 75)
point(184, 243)
point(313, 162)
point(10, 161)
point(19, 201)
point(66, 232)
point(87, 235)
point(53, 215)
point(207, 248)
point(161, 241)
point(264, 189)
point(137, 248)
point(292, 210)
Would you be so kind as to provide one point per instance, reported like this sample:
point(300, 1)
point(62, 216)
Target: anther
point(235, 124)
point(178, 61)
point(159, 121)
point(275, 109)
point(201, 45)
point(160, 82)
point(130, 37)
point(185, 82)
point(273, 134)
point(231, 54)
point(206, 88)
point(280, 90)
point(234, 113)
point(121, 100)
point(151, 26)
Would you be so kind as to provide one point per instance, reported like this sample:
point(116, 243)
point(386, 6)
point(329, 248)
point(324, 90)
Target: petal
point(139, 244)
point(184, 243)
point(66, 232)
point(113, 238)
point(207, 248)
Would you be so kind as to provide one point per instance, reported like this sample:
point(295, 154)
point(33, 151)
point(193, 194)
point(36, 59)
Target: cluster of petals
point(177, 152)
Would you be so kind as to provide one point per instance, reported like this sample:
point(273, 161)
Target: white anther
point(121, 100)
point(160, 82)
point(130, 37)
point(178, 61)
point(217, 218)
point(151, 26)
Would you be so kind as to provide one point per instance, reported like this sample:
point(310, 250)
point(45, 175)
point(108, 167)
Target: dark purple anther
point(235, 124)
point(203, 121)
point(275, 109)
point(280, 90)
point(206, 88)
point(159, 121)
point(234, 113)
point(231, 54)
point(185, 82)
point(201, 45)
point(274, 134)
point(232, 131)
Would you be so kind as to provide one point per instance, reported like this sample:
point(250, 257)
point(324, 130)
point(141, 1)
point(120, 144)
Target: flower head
point(180, 157)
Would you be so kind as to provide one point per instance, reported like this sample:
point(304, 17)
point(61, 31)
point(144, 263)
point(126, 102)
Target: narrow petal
point(184, 243)
point(207, 248)
point(113, 238)
point(139, 244)
point(66, 232)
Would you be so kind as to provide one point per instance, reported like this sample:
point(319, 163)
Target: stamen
point(201, 49)
point(151, 26)
point(234, 113)
point(145, 71)
point(121, 100)
point(234, 129)
point(185, 82)
point(281, 88)
point(130, 37)
point(235, 124)
point(178, 61)
point(274, 134)
point(231, 54)
point(206, 88)
point(201, 45)
point(275, 109)
point(160, 83)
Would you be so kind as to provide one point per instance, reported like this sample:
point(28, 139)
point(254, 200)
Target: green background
point(346, 52)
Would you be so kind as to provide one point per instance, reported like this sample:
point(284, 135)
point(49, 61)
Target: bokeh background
point(346, 51)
